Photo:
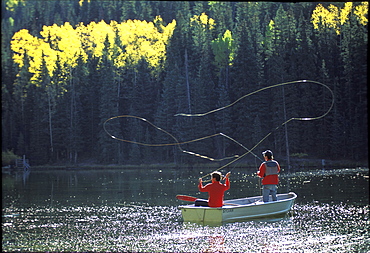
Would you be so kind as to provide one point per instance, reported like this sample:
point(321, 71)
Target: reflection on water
point(137, 211)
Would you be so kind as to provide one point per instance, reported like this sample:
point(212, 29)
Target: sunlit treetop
point(334, 17)
point(344, 13)
point(224, 49)
point(271, 24)
point(138, 40)
point(203, 20)
point(82, 1)
point(93, 36)
point(145, 40)
point(24, 43)
point(10, 5)
point(65, 41)
point(362, 11)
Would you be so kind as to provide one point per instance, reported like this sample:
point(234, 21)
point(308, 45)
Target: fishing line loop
point(175, 143)
point(234, 157)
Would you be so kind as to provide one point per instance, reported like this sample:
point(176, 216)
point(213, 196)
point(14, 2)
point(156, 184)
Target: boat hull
point(239, 209)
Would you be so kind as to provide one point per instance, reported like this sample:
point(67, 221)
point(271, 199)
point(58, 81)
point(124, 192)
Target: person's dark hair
point(216, 175)
point(268, 154)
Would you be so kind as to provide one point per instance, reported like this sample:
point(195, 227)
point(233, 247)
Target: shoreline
point(296, 165)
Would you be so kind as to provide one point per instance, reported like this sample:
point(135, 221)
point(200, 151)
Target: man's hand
point(227, 175)
point(200, 180)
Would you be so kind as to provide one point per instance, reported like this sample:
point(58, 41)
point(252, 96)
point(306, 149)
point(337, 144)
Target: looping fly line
point(234, 157)
point(176, 143)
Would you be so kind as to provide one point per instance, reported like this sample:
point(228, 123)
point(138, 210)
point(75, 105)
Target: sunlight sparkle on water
point(316, 223)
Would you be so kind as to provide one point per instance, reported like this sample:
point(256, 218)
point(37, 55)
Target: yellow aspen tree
point(69, 45)
point(12, 4)
point(344, 13)
point(21, 42)
point(93, 36)
point(334, 17)
point(143, 40)
point(139, 39)
point(361, 11)
point(202, 25)
point(204, 20)
point(24, 43)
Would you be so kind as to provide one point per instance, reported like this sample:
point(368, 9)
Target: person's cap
point(267, 153)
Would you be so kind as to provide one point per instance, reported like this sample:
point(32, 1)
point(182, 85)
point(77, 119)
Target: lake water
point(136, 210)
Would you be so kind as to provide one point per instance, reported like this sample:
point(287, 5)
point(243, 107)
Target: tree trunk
point(50, 127)
point(187, 79)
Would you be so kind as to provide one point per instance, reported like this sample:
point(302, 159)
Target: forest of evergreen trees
point(69, 65)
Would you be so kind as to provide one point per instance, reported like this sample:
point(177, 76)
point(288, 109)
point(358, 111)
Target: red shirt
point(270, 179)
point(215, 192)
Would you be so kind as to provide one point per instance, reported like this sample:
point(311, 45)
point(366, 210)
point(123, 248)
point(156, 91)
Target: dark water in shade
point(136, 210)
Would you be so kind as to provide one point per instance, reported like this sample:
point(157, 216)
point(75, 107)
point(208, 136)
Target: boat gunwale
point(256, 203)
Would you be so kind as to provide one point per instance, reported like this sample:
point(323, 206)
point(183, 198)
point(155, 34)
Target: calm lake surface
point(136, 210)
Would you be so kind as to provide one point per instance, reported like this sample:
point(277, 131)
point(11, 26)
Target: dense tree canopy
point(68, 66)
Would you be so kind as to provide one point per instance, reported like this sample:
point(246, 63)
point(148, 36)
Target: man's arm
point(262, 170)
point(227, 181)
point(200, 185)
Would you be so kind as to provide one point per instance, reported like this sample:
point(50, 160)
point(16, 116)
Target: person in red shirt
point(215, 190)
point(268, 171)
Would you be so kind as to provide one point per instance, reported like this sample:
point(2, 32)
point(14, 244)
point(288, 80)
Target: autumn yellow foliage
point(204, 21)
point(362, 11)
point(334, 17)
point(138, 39)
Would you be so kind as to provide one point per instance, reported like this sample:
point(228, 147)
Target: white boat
point(239, 209)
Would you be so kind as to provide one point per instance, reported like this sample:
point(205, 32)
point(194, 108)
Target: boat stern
point(201, 214)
